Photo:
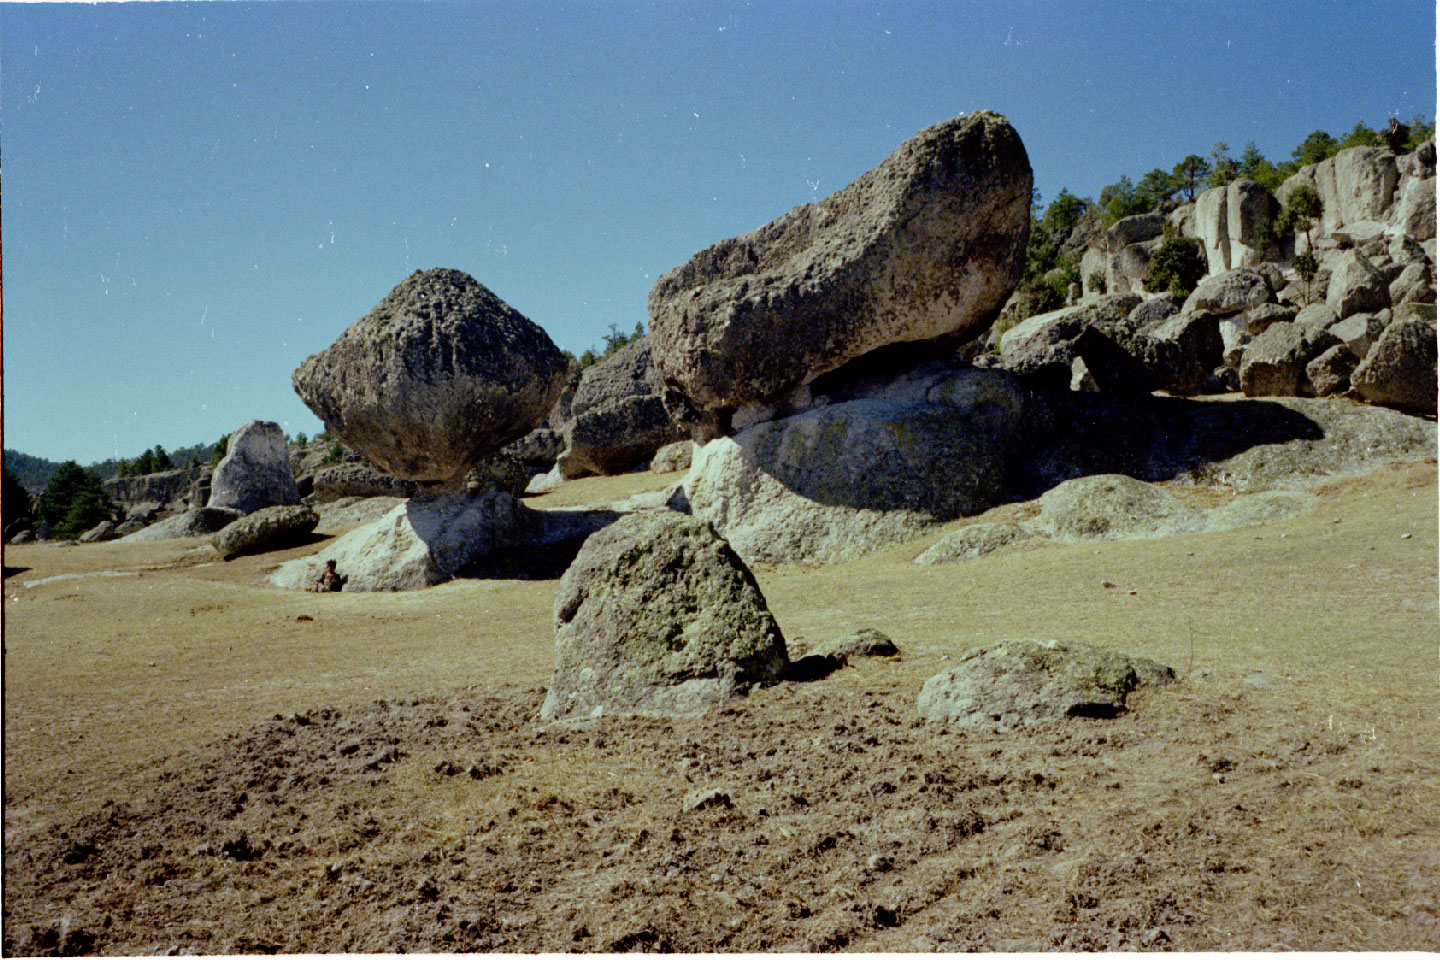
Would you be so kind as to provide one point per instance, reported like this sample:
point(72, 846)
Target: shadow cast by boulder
point(558, 537)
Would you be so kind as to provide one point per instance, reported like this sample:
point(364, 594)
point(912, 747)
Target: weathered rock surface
point(865, 642)
point(160, 488)
point(926, 246)
point(128, 526)
point(1359, 331)
point(973, 541)
point(255, 472)
point(348, 512)
point(357, 480)
point(658, 616)
point(1022, 682)
point(1330, 372)
point(1229, 292)
point(1042, 348)
point(673, 457)
point(199, 522)
point(1399, 370)
point(618, 420)
point(438, 376)
point(537, 450)
point(1111, 507)
point(1226, 222)
point(841, 479)
point(1273, 364)
point(1356, 286)
point(263, 530)
point(102, 531)
point(425, 541)
point(1415, 284)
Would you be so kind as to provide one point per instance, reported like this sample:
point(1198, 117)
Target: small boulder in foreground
point(264, 530)
point(658, 616)
point(1021, 682)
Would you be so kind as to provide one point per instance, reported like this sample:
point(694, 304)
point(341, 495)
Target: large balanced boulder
point(438, 376)
point(658, 616)
point(267, 529)
point(255, 472)
point(1022, 682)
point(1399, 370)
point(927, 246)
point(617, 418)
point(846, 477)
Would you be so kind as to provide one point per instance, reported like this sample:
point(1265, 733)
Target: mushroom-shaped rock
point(439, 376)
point(1020, 682)
point(255, 472)
point(658, 616)
point(926, 246)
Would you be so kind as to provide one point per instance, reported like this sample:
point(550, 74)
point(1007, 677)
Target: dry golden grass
point(1316, 637)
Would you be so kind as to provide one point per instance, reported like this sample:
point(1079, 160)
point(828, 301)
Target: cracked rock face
point(658, 616)
point(435, 379)
point(927, 246)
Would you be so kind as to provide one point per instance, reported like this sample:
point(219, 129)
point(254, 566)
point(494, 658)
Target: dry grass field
point(196, 761)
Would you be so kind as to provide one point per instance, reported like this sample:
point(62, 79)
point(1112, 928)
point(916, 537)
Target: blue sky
point(198, 196)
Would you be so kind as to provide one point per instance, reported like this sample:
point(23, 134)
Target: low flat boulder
point(357, 480)
point(269, 529)
point(973, 541)
point(673, 457)
point(927, 246)
point(1016, 683)
point(1399, 370)
point(102, 531)
point(865, 642)
point(199, 522)
point(1111, 507)
point(658, 616)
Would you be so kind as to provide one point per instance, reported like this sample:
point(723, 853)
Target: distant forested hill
point(35, 472)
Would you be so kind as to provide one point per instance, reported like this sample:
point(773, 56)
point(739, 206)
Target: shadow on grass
point(11, 571)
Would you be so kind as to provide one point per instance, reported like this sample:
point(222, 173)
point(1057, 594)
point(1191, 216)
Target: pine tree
point(1189, 174)
point(74, 501)
point(16, 500)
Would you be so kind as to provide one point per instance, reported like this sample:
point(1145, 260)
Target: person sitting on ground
point(330, 581)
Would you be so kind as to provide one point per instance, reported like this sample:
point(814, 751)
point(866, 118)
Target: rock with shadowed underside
point(1021, 682)
point(658, 616)
point(927, 246)
point(255, 472)
point(263, 530)
point(1399, 370)
point(617, 418)
point(193, 523)
point(439, 376)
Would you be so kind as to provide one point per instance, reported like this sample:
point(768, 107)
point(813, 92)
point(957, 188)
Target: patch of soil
point(828, 819)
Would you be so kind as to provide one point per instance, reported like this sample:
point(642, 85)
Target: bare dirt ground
point(197, 762)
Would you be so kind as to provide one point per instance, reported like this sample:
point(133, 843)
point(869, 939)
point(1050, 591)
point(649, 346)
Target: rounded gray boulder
point(438, 376)
point(658, 616)
point(255, 472)
point(263, 530)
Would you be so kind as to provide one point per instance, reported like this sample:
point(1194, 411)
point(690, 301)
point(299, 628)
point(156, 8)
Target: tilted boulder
point(1330, 372)
point(438, 376)
point(427, 540)
point(658, 616)
point(1273, 364)
point(973, 541)
point(102, 531)
point(1359, 331)
point(263, 530)
point(926, 246)
point(255, 472)
point(1399, 370)
point(618, 420)
point(1414, 212)
point(1023, 682)
point(1232, 291)
point(1356, 286)
point(199, 522)
point(1042, 348)
point(1415, 284)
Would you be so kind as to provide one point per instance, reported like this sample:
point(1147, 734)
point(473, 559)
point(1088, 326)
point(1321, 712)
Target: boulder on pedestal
point(927, 246)
point(438, 376)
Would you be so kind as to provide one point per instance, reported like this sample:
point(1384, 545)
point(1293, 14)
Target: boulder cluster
point(832, 383)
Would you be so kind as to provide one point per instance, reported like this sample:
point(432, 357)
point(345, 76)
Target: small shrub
point(1097, 282)
point(336, 454)
point(1177, 266)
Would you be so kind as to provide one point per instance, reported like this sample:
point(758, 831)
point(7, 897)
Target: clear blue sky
point(198, 196)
